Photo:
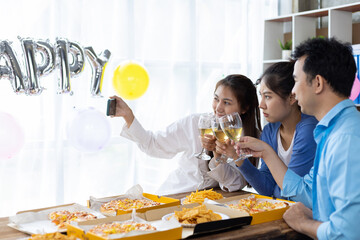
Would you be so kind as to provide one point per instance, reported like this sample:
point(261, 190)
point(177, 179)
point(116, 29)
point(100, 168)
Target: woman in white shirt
point(233, 93)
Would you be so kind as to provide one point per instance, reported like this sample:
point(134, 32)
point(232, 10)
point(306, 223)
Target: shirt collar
point(335, 111)
point(324, 123)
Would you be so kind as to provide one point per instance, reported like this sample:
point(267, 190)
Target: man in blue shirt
point(329, 195)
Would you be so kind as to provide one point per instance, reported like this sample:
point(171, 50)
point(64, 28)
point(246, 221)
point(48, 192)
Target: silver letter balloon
point(40, 58)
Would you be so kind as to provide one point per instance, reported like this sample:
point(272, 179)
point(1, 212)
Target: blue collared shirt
point(334, 195)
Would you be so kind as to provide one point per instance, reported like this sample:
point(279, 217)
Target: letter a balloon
point(130, 80)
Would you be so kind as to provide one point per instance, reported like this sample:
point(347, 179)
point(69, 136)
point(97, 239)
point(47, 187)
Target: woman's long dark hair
point(279, 78)
point(245, 93)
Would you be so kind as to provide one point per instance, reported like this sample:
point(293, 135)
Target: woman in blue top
point(289, 132)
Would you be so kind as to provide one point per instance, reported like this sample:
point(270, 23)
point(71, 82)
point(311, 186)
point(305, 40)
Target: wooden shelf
point(304, 26)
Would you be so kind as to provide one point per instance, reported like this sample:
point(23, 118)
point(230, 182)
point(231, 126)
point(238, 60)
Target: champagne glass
point(220, 136)
point(231, 125)
point(204, 126)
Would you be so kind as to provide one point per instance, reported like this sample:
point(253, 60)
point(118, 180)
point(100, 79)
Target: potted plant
point(286, 49)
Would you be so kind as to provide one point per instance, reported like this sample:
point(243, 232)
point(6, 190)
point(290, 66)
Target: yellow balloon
point(130, 80)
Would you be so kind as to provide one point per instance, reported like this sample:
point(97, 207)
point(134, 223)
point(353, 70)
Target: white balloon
point(89, 130)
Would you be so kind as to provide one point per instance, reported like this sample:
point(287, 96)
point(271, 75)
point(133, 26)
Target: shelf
point(281, 19)
point(304, 26)
point(353, 7)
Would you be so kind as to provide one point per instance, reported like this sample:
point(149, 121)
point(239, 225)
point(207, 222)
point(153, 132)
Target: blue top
point(334, 195)
point(301, 159)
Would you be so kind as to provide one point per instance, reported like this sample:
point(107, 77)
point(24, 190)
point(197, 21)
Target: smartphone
point(111, 107)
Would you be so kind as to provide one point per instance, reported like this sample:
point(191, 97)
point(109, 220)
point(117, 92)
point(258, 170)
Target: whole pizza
point(127, 204)
point(251, 205)
point(63, 217)
point(116, 227)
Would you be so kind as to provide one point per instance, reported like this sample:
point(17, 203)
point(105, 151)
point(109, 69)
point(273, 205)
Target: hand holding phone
point(111, 107)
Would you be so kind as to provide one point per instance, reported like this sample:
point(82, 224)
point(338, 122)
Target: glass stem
point(222, 158)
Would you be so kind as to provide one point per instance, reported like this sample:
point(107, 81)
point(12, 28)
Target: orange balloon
point(130, 80)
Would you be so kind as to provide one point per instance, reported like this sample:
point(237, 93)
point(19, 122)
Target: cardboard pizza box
point(37, 220)
point(158, 215)
point(165, 202)
point(260, 217)
point(236, 219)
point(80, 229)
point(45, 208)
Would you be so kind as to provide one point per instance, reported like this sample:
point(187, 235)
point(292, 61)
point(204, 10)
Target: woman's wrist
point(216, 155)
point(129, 118)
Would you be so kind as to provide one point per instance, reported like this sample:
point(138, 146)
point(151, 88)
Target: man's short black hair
point(331, 59)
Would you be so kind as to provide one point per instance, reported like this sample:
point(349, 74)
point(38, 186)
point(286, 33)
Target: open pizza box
point(135, 192)
point(235, 219)
point(260, 217)
point(36, 221)
point(170, 230)
point(231, 219)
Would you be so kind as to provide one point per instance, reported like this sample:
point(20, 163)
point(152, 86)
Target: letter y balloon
point(98, 64)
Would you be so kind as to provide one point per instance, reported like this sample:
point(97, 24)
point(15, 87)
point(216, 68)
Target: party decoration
point(33, 86)
point(130, 80)
point(98, 64)
point(46, 49)
point(62, 49)
point(12, 69)
point(67, 70)
point(33, 69)
point(41, 58)
point(89, 130)
point(11, 136)
point(78, 64)
point(5, 72)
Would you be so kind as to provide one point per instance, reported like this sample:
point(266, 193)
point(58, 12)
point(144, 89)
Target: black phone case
point(110, 109)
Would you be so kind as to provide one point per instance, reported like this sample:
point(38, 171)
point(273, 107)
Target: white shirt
point(285, 156)
point(192, 173)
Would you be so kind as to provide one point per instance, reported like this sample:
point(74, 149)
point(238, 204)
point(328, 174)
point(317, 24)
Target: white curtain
point(186, 47)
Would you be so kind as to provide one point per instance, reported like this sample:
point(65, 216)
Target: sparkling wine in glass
point(220, 136)
point(231, 125)
point(204, 126)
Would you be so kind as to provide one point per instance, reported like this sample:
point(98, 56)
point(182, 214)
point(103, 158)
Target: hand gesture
point(254, 146)
point(208, 142)
point(123, 110)
point(226, 149)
